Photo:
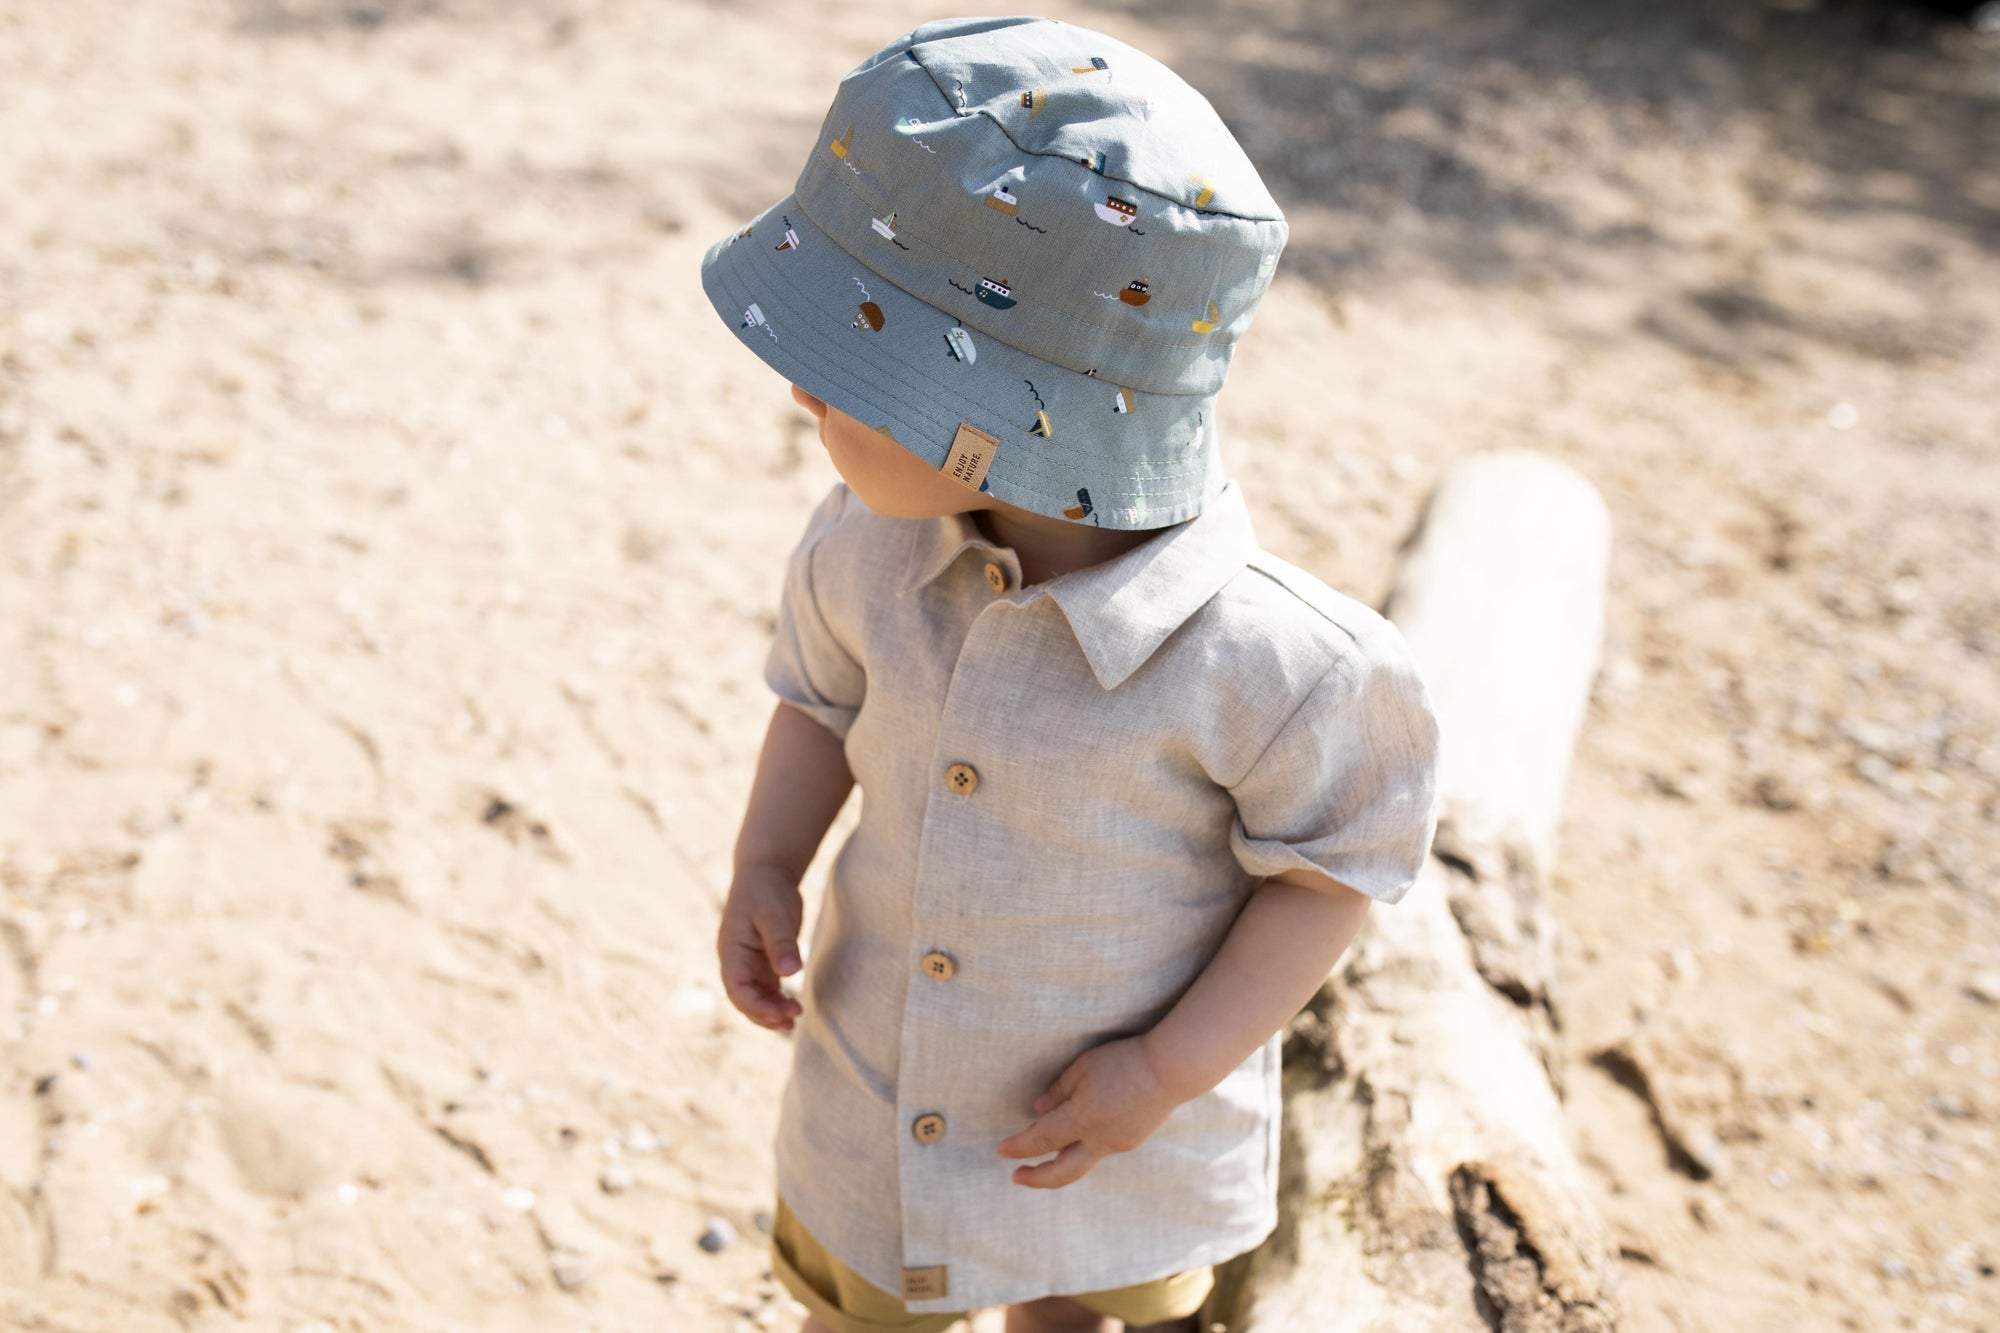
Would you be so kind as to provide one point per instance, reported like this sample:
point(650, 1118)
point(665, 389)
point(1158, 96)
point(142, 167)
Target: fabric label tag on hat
point(924, 1284)
point(971, 453)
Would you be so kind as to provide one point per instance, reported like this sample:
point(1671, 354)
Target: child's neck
point(1049, 547)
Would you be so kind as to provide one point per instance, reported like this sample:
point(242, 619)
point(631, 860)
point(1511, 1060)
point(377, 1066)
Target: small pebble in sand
point(616, 1178)
point(570, 1270)
point(639, 1139)
point(519, 1198)
point(762, 1220)
point(1843, 416)
point(347, 1191)
point(83, 1059)
point(1985, 987)
point(719, 1236)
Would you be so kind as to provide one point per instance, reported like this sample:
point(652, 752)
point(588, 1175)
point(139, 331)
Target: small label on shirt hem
point(925, 1284)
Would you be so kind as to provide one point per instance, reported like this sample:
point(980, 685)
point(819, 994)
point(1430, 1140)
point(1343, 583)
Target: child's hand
point(1109, 1100)
point(759, 942)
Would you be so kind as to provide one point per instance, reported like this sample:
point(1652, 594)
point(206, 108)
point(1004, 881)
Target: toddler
point(1129, 782)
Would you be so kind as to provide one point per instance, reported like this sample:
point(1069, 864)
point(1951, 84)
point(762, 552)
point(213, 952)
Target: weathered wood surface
point(1427, 1182)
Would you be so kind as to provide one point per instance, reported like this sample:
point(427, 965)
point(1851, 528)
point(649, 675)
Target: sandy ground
point(389, 538)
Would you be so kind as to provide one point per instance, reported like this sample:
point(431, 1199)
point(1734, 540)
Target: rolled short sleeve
point(807, 666)
point(1348, 787)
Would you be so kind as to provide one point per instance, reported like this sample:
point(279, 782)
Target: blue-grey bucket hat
point(1024, 251)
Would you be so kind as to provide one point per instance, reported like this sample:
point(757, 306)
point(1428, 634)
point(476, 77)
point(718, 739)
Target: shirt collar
point(1124, 609)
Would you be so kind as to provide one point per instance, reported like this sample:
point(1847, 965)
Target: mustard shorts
point(846, 1302)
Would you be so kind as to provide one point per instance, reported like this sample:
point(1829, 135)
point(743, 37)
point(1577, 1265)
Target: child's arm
point(802, 780)
point(1112, 1097)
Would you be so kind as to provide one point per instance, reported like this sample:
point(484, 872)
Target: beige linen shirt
point(1069, 791)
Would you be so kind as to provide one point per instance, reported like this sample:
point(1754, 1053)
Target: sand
point(390, 536)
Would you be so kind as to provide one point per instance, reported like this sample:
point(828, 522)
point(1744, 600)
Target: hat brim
point(1070, 445)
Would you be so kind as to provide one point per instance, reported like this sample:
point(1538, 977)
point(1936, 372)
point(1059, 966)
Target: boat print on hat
point(959, 343)
point(996, 294)
point(840, 146)
point(791, 241)
point(1082, 509)
point(753, 318)
point(1004, 200)
point(1035, 99)
point(1208, 325)
point(1095, 161)
point(870, 316)
point(1207, 191)
point(886, 228)
point(918, 121)
point(1118, 212)
point(1096, 63)
point(1137, 292)
point(1041, 425)
point(1122, 404)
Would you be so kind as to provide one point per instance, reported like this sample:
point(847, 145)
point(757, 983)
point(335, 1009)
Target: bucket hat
point(1024, 251)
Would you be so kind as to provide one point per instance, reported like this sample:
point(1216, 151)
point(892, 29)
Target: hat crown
point(1062, 91)
point(1054, 189)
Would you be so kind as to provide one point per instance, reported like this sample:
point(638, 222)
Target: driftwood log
point(1427, 1182)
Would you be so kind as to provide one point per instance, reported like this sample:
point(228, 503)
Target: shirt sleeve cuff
point(1385, 879)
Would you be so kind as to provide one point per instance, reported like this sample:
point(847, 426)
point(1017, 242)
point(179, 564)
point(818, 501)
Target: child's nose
point(808, 402)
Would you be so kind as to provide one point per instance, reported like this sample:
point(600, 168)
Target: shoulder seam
point(1322, 611)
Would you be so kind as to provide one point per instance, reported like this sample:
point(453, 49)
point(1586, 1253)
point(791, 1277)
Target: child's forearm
point(802, 781)
point(1281, 948)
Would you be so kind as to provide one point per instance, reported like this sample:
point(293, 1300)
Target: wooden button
point(996, 578)
point(928, 1128)
point(962, 779)
point(938, 965)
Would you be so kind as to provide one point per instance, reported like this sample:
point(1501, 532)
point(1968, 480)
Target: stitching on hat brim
point(912, 399)
point(926, 389)
point(898, 390)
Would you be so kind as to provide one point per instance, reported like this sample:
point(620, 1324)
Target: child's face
point(888, 478)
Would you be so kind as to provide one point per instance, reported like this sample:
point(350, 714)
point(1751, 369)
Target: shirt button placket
point(925, 1178)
